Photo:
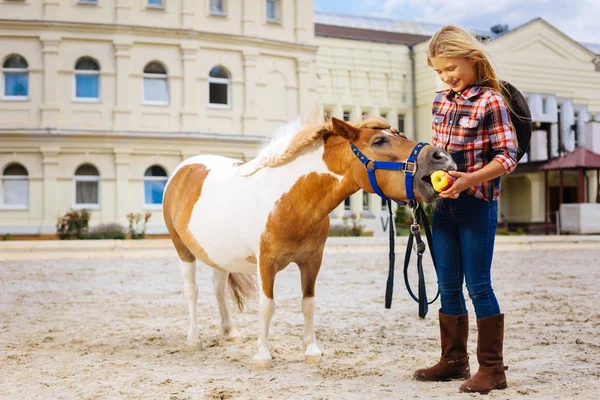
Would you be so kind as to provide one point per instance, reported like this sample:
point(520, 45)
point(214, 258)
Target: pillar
point(50, 188)
point(50, 109)
point(190, 106)
point(122, 110)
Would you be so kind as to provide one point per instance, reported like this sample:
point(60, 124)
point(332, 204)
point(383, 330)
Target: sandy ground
point(105, 328)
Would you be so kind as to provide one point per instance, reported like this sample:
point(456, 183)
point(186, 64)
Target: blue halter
point(409, 167)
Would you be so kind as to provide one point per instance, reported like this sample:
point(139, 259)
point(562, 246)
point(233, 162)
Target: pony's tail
point(242, 287)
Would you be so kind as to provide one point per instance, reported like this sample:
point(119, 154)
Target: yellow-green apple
point(441, 180)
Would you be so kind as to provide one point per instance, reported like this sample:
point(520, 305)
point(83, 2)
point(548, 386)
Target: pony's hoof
point(313, 354)
point(232, 336)
point(194, 345)
point(262, 359)
point(262, 363)
point(312, 358)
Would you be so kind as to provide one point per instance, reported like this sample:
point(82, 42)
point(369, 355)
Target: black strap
point(421, 218)
point(389, 287)
point(414, 234)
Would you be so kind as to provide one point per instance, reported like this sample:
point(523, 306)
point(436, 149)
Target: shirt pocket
point(468, 129)
point(439, 129)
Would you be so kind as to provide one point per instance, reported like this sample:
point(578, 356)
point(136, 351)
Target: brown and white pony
point(260, 216)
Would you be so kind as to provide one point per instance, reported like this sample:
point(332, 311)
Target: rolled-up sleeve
point(501, 133)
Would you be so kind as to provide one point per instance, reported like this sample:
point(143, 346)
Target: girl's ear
point(345, 130)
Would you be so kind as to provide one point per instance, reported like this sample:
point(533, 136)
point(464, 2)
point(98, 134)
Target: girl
point(471, 121)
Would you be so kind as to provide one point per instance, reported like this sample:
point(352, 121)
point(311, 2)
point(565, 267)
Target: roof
point(593, 47)
point(355, 25)
point(581, 157)
point(358, 23)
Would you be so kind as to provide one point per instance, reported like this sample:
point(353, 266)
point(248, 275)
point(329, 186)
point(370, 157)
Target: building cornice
point(157, 31)
point(91, 134)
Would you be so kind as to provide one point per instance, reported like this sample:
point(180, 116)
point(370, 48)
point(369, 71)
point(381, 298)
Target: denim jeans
point(463, 232)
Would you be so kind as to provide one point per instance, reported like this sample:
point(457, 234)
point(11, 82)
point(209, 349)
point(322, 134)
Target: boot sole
point(500, 386)
point(454, 378)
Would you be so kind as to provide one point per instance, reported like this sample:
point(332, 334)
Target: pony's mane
point(296, 136)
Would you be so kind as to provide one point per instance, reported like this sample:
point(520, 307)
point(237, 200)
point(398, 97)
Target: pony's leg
point(228, 328)
point(266, 309)
point(188, 270)
point(308, 272)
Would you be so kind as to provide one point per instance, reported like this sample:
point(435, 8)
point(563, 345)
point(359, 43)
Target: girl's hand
point(463, 181)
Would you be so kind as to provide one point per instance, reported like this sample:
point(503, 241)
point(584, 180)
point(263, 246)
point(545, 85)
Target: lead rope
point(415, 238)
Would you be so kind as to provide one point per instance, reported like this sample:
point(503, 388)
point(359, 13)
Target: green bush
point(106, 231)
point(109, 231)
point(351, 227)
point(137, 224)
point(74, 224)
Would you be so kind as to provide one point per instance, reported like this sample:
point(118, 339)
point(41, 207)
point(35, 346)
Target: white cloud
point(578, 19)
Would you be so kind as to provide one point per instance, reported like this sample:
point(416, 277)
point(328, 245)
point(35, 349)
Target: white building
point(101, 99)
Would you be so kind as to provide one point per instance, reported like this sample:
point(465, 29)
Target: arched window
point(155, 179)
point(87, 80)
point(87, 187)
point(219, 88)
point(15, 187)
point(16, 77)
point(156, 87)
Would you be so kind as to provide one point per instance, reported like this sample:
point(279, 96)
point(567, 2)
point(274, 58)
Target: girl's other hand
point(463, 181)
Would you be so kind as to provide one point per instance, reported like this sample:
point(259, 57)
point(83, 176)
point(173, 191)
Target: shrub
point(107, 231)
point(351, 227)
point(74, 224)
point(137, 224)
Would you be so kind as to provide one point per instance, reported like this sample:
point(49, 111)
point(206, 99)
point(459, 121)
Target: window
point(155, 179)
point(347, 206)
point(87, 1)
point(219, 88)
point(401, 123)
point(156, 3)
point(216, 7)
point(87, 187)
point(365, 201)
point(15, 187)
point(384, 116)
point(155, 88)
point(383, 203)
point(87, 80)
point(544, 105)
point(346, 116)
point(272, 11)
point(16, 77)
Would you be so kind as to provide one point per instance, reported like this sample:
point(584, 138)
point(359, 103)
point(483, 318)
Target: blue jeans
point(463, 232)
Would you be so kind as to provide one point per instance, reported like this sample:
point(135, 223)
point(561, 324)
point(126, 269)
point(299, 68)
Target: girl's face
point(457, 73)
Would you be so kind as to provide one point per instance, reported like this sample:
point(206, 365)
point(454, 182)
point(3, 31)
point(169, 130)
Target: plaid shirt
point(475, 128)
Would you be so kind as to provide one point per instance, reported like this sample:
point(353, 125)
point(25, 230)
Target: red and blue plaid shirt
point(475, 128)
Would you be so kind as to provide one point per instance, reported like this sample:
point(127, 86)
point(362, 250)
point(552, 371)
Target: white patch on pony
point(188, 271)
point(266, 309)
point(312, 352)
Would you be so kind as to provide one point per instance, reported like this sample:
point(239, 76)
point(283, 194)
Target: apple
point(441, 180)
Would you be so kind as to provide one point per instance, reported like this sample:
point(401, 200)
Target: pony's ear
point(344, 129)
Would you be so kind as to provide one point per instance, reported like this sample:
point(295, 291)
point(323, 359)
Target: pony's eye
point(380, 141)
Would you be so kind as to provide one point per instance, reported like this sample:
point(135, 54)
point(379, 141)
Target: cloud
point(578, 19)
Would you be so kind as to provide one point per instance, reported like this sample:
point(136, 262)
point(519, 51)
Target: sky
point(579, 19)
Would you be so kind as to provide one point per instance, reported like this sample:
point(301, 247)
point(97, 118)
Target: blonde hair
point(452, 41)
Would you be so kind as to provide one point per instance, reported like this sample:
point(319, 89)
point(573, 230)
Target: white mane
point(273, 148)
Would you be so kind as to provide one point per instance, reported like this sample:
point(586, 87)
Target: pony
point(257, 217)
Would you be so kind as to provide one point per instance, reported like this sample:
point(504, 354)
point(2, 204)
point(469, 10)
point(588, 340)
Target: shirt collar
point(466, 94)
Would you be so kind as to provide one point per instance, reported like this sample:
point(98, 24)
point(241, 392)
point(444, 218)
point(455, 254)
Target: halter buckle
point(410, 167)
